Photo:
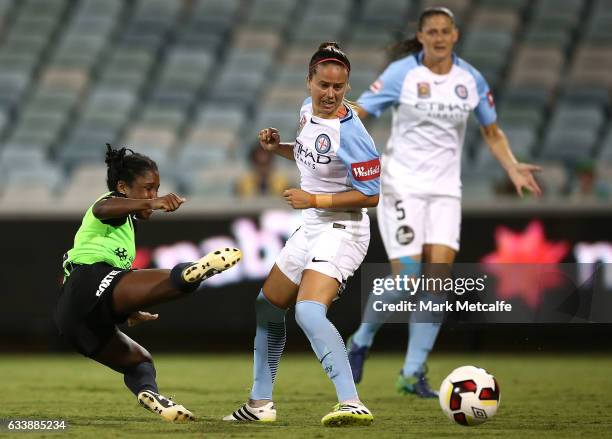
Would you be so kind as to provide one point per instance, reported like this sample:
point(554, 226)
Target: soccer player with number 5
point(432, 92)
point(339, 170)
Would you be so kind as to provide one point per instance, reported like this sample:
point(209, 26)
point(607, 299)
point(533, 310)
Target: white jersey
point(335, 155)
point(430, 113)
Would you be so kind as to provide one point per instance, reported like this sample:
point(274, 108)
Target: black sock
point(176, 277)
point(141, 377)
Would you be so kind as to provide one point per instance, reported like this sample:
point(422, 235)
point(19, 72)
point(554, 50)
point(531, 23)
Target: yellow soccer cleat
point(348, 414)
point(164, 407)
point(213, 263)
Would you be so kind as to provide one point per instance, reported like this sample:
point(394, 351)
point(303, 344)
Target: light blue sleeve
point(485, 110)
point(386, 90)
point(358, 153)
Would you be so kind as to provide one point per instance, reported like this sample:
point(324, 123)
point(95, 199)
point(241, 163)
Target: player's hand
point(139, 317)
point(522, 178)
point(298, 199)
point(269, 139)
point(167, 203)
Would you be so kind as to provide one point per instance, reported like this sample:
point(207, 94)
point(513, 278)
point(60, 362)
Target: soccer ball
point(469, 395)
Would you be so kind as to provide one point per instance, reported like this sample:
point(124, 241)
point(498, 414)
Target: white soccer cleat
point(164, 407)
point(348, 414)
point(213, 263)
point(246, 413)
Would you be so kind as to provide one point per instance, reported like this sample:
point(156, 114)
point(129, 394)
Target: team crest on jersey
point(376, 86)
point(461, 91)
point(301, 125)
point(323, 144)
point(404, 235)
point(423, 90)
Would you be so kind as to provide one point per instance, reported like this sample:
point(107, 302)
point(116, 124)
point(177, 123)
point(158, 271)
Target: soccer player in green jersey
point(101, 290)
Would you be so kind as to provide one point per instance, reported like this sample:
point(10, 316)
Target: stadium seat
point(516, 115)
point(87, 182)
point(487, 40)
point(558, 7)
point(522, 140)
point(510, 5)
point(579, 117)
point(531, 96)
point(506, 20)
point(337, 7)
point(284, 97)
point(585, 95)
point(38, 181)
point(385, 13)
point(557, 38)
point(568, 145)
point(260, 15)
point(329, 28)
point(216, 181)
point(257, 39)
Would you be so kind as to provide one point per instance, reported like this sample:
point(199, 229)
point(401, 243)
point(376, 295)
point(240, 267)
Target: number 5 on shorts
point(401, 213)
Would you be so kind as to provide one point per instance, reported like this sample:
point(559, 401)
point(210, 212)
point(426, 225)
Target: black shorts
point(84, 313)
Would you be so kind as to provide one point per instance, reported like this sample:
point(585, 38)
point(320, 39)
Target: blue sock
point(421, 340)
point(269, 343)
point(365, 334)
point(372, 321)
point(424, 328)
point(328, 346)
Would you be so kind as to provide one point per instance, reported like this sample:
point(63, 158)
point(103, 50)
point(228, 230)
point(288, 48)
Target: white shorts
point(335, 249)
point(408, 221)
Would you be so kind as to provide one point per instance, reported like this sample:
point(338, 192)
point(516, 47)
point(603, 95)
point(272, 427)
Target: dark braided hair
point(126, 167)
point(413, 45)
point(328, 52)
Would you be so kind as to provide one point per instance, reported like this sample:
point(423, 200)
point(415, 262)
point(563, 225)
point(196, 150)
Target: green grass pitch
point(558, 396)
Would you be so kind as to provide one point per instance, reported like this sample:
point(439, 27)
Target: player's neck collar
point(344, 113)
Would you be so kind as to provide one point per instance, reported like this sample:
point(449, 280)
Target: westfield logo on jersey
point(364, 171)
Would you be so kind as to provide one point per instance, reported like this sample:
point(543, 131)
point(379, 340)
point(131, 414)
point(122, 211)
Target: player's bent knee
point(265, 306)
point(145, 356)
point(308, 315)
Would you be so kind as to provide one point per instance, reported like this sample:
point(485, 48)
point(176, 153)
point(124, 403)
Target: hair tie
point(329, 59)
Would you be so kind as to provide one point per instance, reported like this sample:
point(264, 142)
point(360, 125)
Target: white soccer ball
point(469, 395)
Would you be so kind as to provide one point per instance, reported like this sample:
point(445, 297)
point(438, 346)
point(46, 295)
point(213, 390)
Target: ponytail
point(122, 166)
point(404, 48)
point(328, 52)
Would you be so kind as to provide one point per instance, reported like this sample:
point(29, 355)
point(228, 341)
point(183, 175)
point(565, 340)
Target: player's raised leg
point(144, 288)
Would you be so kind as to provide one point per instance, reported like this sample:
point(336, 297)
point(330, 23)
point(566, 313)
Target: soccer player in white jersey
point(339, 168)
point(431, 92)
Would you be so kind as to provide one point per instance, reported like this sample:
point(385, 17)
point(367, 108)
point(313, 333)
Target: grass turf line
point(542, 396)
